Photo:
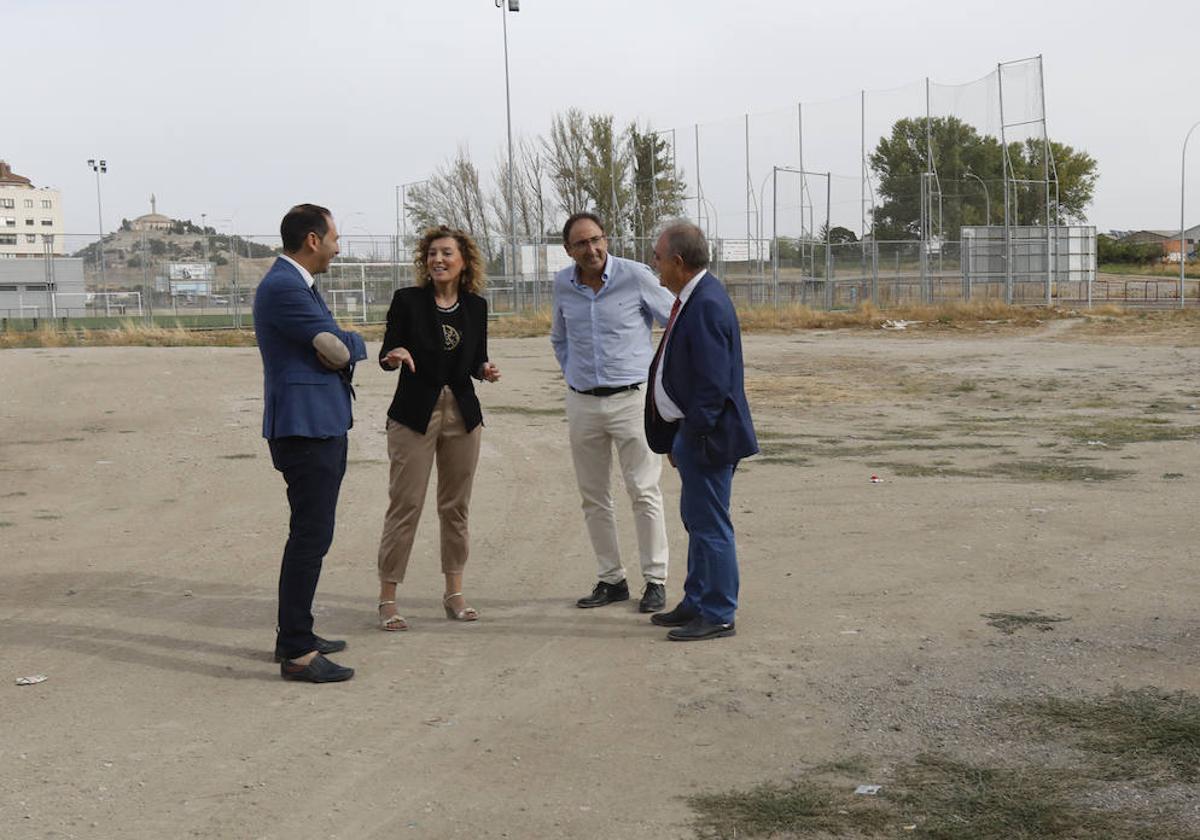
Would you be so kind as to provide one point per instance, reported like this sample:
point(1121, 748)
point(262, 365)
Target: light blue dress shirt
point(602, 339)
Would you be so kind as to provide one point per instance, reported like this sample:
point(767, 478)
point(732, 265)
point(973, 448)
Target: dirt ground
point(141, 523)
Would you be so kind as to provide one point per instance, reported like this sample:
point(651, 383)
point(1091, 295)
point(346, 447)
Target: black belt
point(607, 392)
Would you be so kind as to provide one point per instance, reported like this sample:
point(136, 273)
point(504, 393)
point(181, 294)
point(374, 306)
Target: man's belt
point(604, 391)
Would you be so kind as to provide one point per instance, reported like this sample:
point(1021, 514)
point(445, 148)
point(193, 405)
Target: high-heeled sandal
point(467, 613)
point(393, 622)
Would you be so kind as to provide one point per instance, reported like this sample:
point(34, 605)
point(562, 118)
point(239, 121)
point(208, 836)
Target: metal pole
point(1004, 167)
point(512, 222)
point(1182, 229)
point(803, 182)
point(1046, 179)
point(653, 180)
point(204, 245)
point(862, 177)
point(237, 284)
point(828, 252)
point(775, 235)
point(749, 199)
point(396, 245)
point(99, 167)
point(699, 190)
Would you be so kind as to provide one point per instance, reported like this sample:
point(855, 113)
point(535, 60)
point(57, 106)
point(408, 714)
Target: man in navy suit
point(697, 414)
point(308, 363)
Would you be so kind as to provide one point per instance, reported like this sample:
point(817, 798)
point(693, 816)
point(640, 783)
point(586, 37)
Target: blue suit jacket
point(703, 375)
point(300, 397)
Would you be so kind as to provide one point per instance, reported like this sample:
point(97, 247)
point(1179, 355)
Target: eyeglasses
point(588, 243)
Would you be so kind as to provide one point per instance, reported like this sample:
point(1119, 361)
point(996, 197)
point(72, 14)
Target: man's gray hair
point(686, 241)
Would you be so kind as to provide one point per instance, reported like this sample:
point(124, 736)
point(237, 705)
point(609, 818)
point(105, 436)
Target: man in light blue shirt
point(604, 308)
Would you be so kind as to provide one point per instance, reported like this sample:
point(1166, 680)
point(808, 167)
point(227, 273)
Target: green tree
point(961, 158)
point(657, 191)
point(607, 183)
point(838, 234)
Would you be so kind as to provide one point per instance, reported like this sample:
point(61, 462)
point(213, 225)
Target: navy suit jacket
point(703, 375)
point(301, 397)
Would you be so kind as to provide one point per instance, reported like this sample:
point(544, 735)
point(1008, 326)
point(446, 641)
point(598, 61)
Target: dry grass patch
point(1146, 733)
point(1050, 469)
point(1114, 432)
point(932, 798)
point(1009, 623)
point(128, 334)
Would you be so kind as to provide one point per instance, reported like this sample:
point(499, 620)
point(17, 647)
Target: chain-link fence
point(925, 193)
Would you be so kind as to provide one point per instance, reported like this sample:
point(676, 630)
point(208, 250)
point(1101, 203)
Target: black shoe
point(605, 593)
point(322, 646)
point(320, 670)
point(675, 618)
point(699, 630)
point(654, 598)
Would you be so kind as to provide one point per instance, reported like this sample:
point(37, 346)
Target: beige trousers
point(597, 425)
point(412, 455)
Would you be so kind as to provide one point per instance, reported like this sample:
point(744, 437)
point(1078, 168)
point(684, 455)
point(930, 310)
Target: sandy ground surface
point(141, 525)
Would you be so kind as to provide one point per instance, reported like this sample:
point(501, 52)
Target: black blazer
point(412, 323)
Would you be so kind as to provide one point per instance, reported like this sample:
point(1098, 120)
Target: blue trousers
point(711, 588)
point(312, 469)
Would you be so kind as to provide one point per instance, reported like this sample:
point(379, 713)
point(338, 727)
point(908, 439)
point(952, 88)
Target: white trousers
point(596, 425)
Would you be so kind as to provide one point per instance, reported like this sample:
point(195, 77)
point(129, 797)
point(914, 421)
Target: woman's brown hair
point(473, 278)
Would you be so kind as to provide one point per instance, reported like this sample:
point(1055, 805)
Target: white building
point(31, 220)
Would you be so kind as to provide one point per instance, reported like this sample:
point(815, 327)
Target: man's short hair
point(687, 241)
point(299, 222)
point(578, 217)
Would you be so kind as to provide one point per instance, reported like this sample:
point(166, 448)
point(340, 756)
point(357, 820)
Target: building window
point(8, 239)
point(47, 223)
point(29, 223)
point(29, 202)
point(7, 203)
point(31, 238)
point(47, 237)
point(46, 203)
point(8, 221)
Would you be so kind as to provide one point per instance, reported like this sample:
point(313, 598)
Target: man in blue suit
point(308, 363)
point(697, 414)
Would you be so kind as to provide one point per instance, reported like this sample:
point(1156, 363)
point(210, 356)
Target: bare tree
point(567, 160)
point(452, 196)
point(528, 191)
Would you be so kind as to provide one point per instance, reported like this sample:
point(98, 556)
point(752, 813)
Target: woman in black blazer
point(437, 336)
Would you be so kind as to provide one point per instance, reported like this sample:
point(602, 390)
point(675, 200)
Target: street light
point(100, 167)
point(1182, 230)
point(512, 6)
point(987, 202)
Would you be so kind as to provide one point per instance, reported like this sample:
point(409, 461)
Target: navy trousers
point(711, 588)
point(312, 469)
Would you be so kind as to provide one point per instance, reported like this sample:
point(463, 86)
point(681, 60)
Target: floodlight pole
point(1182, 229)
point(512, 6)
point(100, 167)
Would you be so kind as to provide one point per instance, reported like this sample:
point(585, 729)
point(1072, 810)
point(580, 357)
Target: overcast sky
point(240, 109)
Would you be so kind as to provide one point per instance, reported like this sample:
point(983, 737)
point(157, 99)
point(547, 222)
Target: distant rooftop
point(10, 178)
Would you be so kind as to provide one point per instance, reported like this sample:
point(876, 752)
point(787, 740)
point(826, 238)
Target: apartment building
point(31, 219)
